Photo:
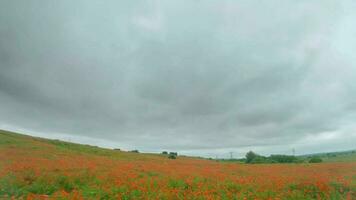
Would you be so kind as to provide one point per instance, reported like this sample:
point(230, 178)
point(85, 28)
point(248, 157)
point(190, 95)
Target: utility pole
point(293, 150)
point(231, 156)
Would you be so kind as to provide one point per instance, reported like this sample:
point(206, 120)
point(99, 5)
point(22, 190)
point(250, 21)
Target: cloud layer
point(199, 77)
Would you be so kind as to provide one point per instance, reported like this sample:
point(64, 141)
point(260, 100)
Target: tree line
point(253, 158)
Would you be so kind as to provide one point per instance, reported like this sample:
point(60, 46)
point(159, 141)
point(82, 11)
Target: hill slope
point(341, 156)
point(37, 168)
point(10, 140)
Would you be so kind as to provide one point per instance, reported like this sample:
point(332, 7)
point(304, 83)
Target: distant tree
point(135, 151)
point(250, 156)
point(164, 152)
point(283, 159)
point(117, 149)
point(172, 156)
point(173, 153)
point(260, 159)
point(315, 159)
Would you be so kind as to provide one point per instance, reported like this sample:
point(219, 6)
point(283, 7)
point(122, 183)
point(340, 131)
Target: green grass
point(343, 156)
point(24, 142)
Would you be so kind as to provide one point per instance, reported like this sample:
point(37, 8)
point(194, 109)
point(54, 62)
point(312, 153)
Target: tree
point(173, 153)
point(260, 159)
point(283, 158)
point(172, 156)
point(315, 159)
point(164, 152)
point(250, 156)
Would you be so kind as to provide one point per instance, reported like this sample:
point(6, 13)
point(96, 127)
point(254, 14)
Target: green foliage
point(260, 159)
point(283, 159)
point(250, 156)
point(178, 184)
point(12, 185)
point(315, 159)
point(172, 156)
point(254, 158)
point(173, 153)
point(164, 152)
point(78, 148)
point(342, 156)
point(306, 191)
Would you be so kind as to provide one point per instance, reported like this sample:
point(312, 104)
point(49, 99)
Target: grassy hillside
point(53, 148)
point(342, 156)
point(37, 168)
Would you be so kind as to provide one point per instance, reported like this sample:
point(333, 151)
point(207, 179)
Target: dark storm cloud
point(199, 77)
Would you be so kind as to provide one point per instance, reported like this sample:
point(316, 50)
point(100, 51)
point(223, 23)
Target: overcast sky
point(198, 77)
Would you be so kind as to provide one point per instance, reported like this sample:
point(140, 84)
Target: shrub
point(260, 159)
point(283, 159)
point(173, 153)
point(164, 152)
point(315, 159)
point(135, 151)
point(172, 156)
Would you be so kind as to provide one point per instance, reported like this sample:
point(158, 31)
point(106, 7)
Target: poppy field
point(35, 168)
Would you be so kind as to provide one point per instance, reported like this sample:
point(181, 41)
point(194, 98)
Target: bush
point(315, 159)
point(164, 152)
point(260, 159)
point(173, 153)
point(171, 156)
point(283, 159)
point(135, 151)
